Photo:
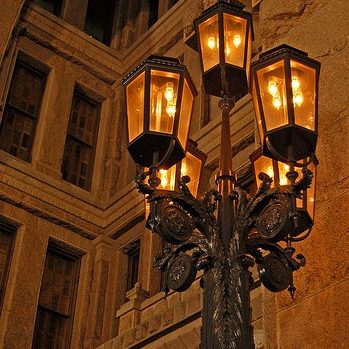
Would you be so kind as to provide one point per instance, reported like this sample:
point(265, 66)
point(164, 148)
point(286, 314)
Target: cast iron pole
point(226, 313)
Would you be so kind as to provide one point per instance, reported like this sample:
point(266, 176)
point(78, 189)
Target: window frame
point(98, 104)
point(33, 66)
point(76, 256)
point(131, 250)
point(11, 230)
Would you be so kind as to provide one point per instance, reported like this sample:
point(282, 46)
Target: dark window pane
point(6, 242)
point(153, 11)
point(80, 143)
point(99, 19)
point(56, 303)
point(53, 6)
point(21, 111)
point(133, 252)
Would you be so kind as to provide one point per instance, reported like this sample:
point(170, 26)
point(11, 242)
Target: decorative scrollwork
point(274, 272)
point(173, 224)
point(181, 272)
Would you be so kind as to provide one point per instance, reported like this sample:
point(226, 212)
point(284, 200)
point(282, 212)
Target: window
point(153, 12)
point(21, 111)
point(53, 6)
point(99, 20)
point(54, 316)
point(133, 253)
point(6, 242)
point(80, 143)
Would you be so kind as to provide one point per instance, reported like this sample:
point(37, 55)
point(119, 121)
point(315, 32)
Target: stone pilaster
point(101, 314)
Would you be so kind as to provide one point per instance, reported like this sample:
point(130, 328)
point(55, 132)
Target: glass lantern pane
point(209, 42)
point(264, 164)
point(163, 100)
point(283, 169)
point(186, 110)
point(167, 178)
point(273, 94)
point(191, 166)
point(303, 89)
point(234, 39)
point(257, 112)
point(135, 107)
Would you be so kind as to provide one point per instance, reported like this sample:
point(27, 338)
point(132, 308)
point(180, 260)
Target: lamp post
point(228, 231)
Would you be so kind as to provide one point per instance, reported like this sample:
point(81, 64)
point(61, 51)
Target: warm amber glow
point(297, 93)
point(227, 50)
point(277, 102)
point(273, 88)
point(169, 92)
point(298, 98)
point(295, 83)
point(211, 42)
point(184, 168)
point(171, 109)
point(135, 106)
point(283, 169)
point(164, 89)
point(163, 178)
point(237, 40)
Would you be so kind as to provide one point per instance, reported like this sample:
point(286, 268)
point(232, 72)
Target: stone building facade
point(75, 257)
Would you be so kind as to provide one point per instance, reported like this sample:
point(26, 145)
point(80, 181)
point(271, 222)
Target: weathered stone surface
point(319, 321)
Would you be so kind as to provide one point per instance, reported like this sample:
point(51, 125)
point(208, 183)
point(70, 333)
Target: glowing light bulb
point(311, 199)
point(184, 169)
point(273, 88)
point(237, 40)
point(298, 98)
point(163, 178)
point(169, 92)
point(270, 171)
point(171, 109)
point(277, 102)
point(211, 42)
point(295, 83)
point(227, 50)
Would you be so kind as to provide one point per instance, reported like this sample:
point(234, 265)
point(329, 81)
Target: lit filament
point(298, 98)
point(211, 42)
point(163, 178)
point(171, 109)
point(273, 89)
point(237, 40)
point(169, 92)
point(277, 102)
point(297, 93)
point(269, 171)
point(283, 178)
point(184, 169)
point(227, 50)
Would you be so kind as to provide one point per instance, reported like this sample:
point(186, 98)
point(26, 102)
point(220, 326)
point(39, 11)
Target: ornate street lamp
point(228, 231)
point(159, 102)
point(285, 95)
point(224, 33)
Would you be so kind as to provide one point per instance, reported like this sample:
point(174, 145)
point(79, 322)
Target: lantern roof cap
point(232, 4)
point(283, 50)
point(153, 60)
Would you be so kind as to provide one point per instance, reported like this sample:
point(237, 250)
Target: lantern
point(159, 99)
point(224, 33)
point(277, 171)
point(285, 96)
point(190, 166)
